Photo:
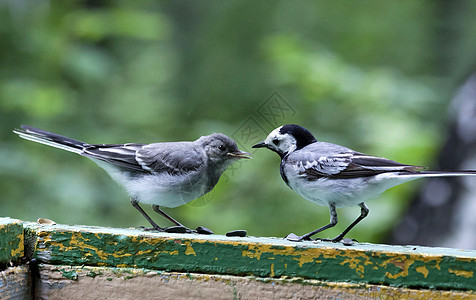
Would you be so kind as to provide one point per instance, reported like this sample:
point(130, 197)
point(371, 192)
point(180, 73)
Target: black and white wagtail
point(336, 176)
point(162, 174)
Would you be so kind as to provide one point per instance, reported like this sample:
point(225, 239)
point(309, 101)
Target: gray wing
point(121, 155)
point(173, 158)
point(335, 161)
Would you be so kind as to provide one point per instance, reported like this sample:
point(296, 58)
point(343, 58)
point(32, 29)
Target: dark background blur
point(376, 76)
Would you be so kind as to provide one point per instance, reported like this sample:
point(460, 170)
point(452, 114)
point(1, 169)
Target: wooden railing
point(84, 262)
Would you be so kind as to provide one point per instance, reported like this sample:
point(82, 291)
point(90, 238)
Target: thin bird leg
point(333, 222)
point(159, 211)
point(364, 211)
point(136, 205)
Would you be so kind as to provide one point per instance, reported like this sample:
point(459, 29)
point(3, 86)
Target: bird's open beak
point(239, 154)
point(260, 145)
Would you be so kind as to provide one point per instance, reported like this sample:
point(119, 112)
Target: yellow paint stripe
point(464, 273)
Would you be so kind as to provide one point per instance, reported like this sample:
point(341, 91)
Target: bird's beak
point(239, 154)
point(260, 145)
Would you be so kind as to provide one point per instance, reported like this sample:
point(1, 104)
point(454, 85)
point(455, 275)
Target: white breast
point(341, 192)
point(159, 189)
point(166, 190)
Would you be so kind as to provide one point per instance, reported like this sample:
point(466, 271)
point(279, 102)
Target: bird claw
point(345, 242)
point(296, 238)
point(179, 229)
point(324, 240)
point(151, 229)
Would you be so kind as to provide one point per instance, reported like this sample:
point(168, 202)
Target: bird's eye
point(276, 142)
point(221, 148)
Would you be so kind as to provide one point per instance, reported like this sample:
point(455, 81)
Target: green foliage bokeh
point(375, 76)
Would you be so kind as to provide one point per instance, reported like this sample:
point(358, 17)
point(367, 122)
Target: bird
point(167, 174)
point(336, 176)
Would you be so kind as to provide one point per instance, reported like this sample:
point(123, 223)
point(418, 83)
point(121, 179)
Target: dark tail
point(50, 139)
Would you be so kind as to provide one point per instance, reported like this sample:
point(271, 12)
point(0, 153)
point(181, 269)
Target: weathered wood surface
point(410, 266)
point(66, 282)
point(15, 283)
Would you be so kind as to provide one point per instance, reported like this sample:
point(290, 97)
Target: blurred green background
point(376, 76)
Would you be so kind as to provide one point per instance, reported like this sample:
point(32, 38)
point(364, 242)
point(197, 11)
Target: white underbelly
point(165, 190)
point(159, 189)
point(344, 192)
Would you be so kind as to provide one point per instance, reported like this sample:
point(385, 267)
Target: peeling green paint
point(262, 257)
point(71, 274)
point(11, 240)
point(93, 274)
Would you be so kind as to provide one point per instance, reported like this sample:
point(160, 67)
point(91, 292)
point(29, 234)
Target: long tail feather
point(50, 139)
point(442, 173)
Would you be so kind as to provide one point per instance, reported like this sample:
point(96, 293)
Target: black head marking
point(302, 135)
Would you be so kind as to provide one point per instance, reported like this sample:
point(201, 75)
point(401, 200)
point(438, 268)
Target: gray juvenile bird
point(336, 176)
point(162, 174)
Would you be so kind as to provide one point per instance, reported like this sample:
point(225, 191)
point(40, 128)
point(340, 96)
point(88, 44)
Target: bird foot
point(151, 229)
point(179, 229)
point(325, 240)
point(345, 242)
point(296, 238)
point(172, 229)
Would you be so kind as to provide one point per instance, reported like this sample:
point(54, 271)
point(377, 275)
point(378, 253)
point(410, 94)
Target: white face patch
point(283, 143)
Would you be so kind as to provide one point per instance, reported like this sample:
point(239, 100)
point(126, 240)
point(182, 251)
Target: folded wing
point(171, 158)
point(348, 164)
